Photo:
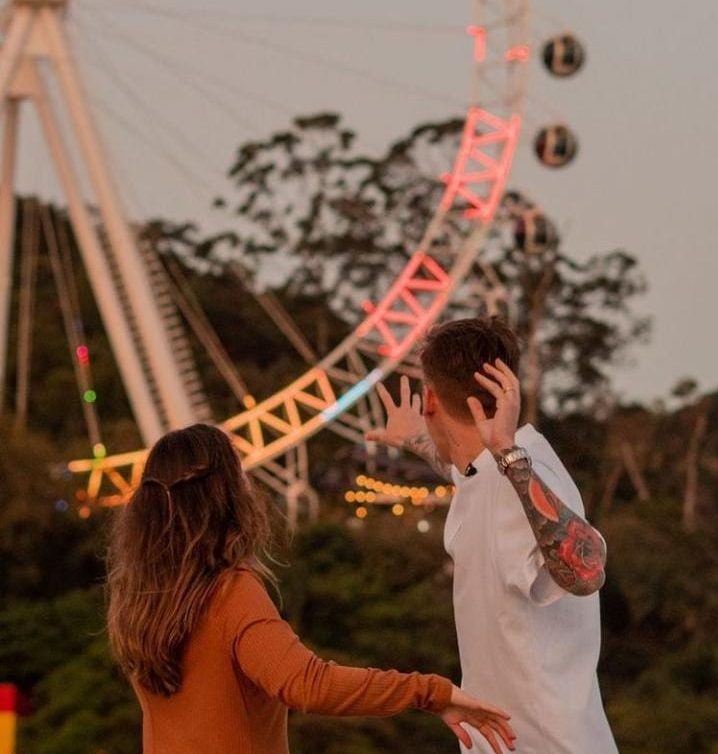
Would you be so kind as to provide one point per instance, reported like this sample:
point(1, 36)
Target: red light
point(383, 315)
point(479, 177)
point(8, 697)
point(479, 35)
point(519, 54)
point(83, 355)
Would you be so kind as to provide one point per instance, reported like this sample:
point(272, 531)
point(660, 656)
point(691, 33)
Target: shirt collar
point(464, 475)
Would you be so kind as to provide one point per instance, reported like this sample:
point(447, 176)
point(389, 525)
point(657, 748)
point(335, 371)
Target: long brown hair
point(193, 517)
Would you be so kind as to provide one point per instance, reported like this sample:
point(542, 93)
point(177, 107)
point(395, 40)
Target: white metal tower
point(155, 364)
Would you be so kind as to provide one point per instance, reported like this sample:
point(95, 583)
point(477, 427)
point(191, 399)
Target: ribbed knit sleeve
point(270, 654)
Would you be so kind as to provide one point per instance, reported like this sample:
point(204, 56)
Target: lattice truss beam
point(338, 392)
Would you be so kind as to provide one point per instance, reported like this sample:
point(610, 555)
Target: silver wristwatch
point(508, 457)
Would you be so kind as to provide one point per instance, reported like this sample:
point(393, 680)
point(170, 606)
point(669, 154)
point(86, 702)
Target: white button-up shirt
point(525, 644)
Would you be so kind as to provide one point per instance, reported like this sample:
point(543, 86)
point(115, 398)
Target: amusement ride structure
point(134, 296)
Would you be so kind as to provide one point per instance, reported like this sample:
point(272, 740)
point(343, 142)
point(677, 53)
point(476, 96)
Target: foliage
point(52, 380)
point(57, 649)
point(334, 227)
point(380, 594)
point(39, 632)
point(334, 222)
point(672, 707)
point(377, 597)
point(577, 317)
point(343, 224)
point(43, 550)
point(83, 706)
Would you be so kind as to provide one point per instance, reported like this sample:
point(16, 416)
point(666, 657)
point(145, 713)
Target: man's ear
point(430, 400)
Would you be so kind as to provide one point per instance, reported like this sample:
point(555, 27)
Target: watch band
point(511, 456)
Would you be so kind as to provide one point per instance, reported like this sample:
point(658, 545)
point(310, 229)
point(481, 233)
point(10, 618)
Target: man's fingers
point(416, 403)
point(375, 435)
point(385, 397)
point(405, 390)
point(462, 735)
point(493, 387)
point(477, 410)
point(507, 371)
point(504, 379)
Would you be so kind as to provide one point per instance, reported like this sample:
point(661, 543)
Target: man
point(527, 566)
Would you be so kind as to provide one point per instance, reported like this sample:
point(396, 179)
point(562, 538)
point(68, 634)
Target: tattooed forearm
point(574, 552)
point(423, 446)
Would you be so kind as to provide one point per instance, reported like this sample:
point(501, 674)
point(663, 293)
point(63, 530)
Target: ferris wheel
point(337, 391)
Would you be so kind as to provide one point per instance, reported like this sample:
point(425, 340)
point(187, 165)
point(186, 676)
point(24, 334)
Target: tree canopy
point(333, 224)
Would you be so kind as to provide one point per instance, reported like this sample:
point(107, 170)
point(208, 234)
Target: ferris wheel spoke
point(173, 65)
point(352, 24)
point(310, 58)
point(150, 115)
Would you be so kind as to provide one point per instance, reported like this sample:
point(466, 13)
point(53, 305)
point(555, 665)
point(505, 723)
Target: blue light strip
point(352, 395)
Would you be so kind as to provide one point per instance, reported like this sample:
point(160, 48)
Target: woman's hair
point(193, 517)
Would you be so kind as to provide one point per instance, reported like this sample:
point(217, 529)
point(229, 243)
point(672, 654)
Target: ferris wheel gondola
point(563, 55)
point(556, 145)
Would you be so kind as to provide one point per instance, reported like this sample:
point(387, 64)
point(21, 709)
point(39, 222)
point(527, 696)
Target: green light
point(99, 450)
point(90, 396)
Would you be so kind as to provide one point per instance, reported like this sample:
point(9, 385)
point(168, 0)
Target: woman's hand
point(490, 721)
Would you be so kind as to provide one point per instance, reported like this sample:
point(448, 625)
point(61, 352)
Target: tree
point(629, 443)
point(85, 706)
point(337, 221)
point(659, 666)
point(697, 411)
point(56, 651)
point(673, 707)
point(332, 219)
point(55, 400)
point(575, 318)
point(380, 596)
point(44, 547)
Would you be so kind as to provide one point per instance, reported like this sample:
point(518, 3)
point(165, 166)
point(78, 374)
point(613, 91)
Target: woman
point(213, 665)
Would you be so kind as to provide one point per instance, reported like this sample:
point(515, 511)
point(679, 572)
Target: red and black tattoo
point(574, 552)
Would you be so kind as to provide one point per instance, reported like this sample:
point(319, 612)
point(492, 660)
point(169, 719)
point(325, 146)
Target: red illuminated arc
point(391, 327)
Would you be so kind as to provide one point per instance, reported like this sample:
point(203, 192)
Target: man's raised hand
point(498, 433)
point(406, 428)
point(403, 421)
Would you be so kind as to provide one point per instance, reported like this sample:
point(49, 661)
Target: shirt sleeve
point(270, 654)
point(519, 557)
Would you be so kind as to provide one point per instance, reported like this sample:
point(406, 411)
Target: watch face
point(518, 454)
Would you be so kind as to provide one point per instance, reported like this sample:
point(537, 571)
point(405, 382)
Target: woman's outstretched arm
point(271, 655)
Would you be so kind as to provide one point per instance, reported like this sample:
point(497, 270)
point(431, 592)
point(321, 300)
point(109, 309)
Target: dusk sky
point(179, 84)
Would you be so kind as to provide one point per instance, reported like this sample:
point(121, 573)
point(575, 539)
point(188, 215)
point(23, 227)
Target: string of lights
point(371, 491)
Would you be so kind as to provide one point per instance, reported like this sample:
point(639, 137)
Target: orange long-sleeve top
point(244, 666)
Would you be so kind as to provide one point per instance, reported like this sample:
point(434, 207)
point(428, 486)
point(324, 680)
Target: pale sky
point(178, 84)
